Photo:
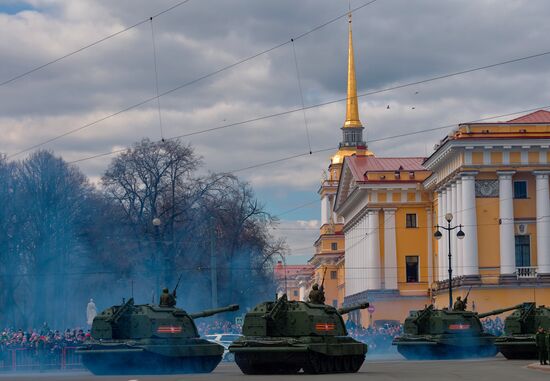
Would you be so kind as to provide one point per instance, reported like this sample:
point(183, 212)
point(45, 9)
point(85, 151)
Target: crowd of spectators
point(493, 326)
point(44, 345)
point(378, 338)
point(217, 326)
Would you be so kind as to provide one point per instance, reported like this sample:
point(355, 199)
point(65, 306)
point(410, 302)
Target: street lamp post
point(459, 235)
point(156, 223)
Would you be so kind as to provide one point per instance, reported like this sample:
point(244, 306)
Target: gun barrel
point(499, 311)
point(206, 313)
point(345, 310)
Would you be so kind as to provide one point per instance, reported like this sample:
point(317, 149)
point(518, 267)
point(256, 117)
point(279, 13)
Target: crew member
point(317, 295)
point(167, 299)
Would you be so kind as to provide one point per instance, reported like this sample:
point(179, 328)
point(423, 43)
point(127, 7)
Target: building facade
point(379, 216)
point(493, 179)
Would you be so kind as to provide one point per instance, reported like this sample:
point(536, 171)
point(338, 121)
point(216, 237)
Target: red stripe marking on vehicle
point(169, 329)
point(459, 327)
point(324, 326)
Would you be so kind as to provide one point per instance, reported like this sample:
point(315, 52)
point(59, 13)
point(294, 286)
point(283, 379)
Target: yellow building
point(493, 179)
point(379, 216)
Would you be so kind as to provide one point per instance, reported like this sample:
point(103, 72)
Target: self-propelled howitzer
point(285, 336)
point(149, 339)
point(441, 334)
point(520, 327)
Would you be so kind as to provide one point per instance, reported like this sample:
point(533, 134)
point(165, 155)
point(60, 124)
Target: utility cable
point(156, 77)
point(97, 42)
point(299, 80)
point(186, 84)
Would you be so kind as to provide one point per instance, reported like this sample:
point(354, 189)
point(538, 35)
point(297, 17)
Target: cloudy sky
point(396, 42)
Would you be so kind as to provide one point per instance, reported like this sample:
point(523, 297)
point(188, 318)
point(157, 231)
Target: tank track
point(148, 363)
point(292, 363)
point(444, 352)
point(519, 352)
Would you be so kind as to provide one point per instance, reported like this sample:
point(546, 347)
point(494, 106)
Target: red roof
point(540, 116)
point(361, 164)
point(292, 270)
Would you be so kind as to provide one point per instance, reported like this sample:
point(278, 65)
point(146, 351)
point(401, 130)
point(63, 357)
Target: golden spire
point(352, 109)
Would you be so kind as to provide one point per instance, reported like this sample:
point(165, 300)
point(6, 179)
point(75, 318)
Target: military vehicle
point(282, 337)
point(520, 328)
point(442, 334)
point(149, 339)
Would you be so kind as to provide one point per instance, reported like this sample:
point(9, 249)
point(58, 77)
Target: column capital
point(389, 210)
point(505, 173)
point(468, 175)
point(541, 174)
point(373, 210)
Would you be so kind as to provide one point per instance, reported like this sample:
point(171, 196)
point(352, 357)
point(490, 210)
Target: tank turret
point(285, 336)
point(147, 338)
point(345, 310)
point(520, 327)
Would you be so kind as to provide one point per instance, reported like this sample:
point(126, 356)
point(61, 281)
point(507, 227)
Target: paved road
point(496, 369)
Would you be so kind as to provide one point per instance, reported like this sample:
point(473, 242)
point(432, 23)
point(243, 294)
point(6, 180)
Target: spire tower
point(352, 129)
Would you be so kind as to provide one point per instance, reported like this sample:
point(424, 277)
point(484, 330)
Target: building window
point(520, 189)
point(335, 303)
point(523, 251)
point(333, 275)
point(411, 220)
point(295, 293)
point(412, 268)
point(334, 246)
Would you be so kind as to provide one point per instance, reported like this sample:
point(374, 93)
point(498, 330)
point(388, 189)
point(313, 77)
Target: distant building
point(294, 280)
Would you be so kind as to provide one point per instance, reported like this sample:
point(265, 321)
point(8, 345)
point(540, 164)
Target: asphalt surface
point(494, 369)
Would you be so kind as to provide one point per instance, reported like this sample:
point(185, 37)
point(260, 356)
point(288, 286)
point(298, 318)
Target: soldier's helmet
point(315, 286)
point(459, 298)
point(165, 290)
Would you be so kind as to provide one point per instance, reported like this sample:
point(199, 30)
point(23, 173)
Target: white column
point(454, 243)
point(302, 291)
point(543, 222)
point(363, 248)
point(357, 271)
point(458, 219)
point(469, 216)
point(439, 243)
point(348, 262)
point(429, 248)
point(353, 268)
point(390, 250)
point(506, 215)
point(325, 209)
point(373, 273)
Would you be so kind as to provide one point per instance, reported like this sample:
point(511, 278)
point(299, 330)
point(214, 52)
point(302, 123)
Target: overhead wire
point(154, 48)
point(186, 84)
point(299, 80)
point(85, 47)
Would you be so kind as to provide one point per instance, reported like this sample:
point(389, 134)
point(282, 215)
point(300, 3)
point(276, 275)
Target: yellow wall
point(491, 298)
point(411, 241)
point(395, 309)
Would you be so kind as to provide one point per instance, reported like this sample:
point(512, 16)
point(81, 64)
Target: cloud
point(396, 42)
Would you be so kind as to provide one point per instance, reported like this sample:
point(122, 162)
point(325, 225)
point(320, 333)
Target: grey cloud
point(396, 41)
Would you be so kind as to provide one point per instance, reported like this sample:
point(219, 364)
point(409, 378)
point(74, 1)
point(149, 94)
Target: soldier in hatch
point(167, 299)
point(460, 305)
point(317, 295)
